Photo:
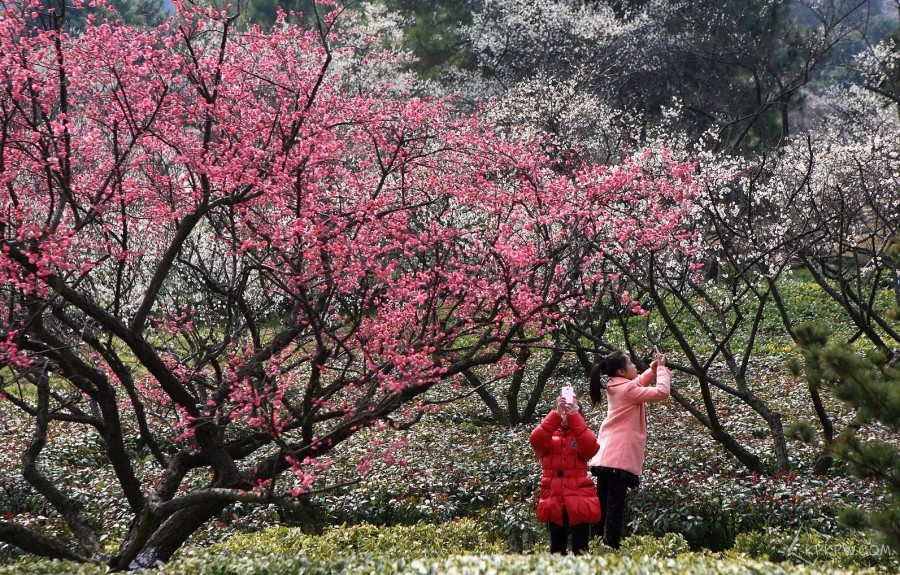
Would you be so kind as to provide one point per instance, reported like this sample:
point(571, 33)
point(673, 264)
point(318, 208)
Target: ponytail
point(606, 367)
point(597, 383)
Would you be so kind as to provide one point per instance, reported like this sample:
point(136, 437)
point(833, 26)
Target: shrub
point(464, 536)
point(711, 509)
point(465, 547)
point(487, 472)
point(670, 545)
point(193, 563)
point(811, 547)
point(667, 546)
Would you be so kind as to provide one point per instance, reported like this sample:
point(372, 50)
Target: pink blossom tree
point(222, 255)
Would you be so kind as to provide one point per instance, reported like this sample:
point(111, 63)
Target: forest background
point(321, 269)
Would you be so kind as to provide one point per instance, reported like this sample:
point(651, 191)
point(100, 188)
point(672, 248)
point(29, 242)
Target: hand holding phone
point(658, 358)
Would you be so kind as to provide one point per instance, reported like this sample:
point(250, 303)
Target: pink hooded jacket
point(623, 434)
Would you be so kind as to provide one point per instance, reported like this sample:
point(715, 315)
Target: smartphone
point(568, 394)
point(655, 350)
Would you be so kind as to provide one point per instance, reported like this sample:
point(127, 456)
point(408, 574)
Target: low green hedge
point(466, 547)
point(229, 564)
point(811, 547)
point(668, 546)
point(464, 536)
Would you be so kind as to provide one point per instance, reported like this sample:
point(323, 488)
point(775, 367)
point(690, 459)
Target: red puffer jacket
point(565, 484)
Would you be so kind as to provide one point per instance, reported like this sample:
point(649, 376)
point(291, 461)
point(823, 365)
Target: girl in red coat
point(623, 435)
point(568, 501)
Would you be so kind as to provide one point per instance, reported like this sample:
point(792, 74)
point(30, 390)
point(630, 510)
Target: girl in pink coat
point(623, 434)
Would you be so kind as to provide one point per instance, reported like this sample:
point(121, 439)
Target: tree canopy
point(224, 253)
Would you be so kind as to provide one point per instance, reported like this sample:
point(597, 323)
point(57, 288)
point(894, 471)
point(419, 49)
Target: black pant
point(559, 536)
point(612, 486)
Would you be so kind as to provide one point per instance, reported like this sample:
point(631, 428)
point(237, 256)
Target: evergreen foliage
point(870, 384)
point(131, 12)
point(433, 33)
point(265, 12)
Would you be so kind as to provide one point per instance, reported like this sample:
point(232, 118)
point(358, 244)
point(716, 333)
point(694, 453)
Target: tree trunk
point(540, 384)
point(174, 532)
point(489, 400)
point(782, 461)
point(512, 392)
point(733, 446)
point(33, 542)
point(776, 427)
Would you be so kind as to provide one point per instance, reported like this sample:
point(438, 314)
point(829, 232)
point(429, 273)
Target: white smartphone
point(655, 351)
point(568, 393)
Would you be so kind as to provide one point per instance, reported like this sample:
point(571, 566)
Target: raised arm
point(542, 435)
point(641, 392)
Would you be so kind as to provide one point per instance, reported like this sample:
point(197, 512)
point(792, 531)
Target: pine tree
point(131, 12)
point(870, 384)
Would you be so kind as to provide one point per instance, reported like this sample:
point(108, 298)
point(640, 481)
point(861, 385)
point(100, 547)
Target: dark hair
point(605, 367)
